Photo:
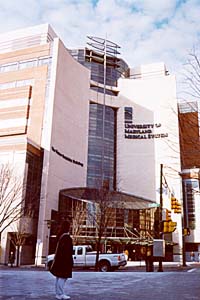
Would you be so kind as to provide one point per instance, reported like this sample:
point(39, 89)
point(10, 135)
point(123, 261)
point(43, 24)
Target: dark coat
point(63, 260)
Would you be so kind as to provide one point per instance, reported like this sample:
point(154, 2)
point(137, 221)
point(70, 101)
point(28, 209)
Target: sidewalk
point(167, 263)
point(24, 267)
point(137, 266)
point(132, 266)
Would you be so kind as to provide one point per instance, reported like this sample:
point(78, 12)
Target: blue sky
point(147, 30)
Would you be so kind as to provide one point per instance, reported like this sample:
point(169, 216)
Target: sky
point(147, 31)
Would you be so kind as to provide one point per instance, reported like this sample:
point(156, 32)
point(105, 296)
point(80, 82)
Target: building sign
point(66, 157)
point(141, 131)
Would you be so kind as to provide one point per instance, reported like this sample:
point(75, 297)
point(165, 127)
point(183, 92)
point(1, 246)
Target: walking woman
point(63, 260)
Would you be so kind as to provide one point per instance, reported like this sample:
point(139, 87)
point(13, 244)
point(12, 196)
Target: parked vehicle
point(85, 257)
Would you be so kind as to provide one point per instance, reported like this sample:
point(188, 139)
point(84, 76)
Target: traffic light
point(168, 226)
point(186, 231)
point(165, 227)
point(168, 215)
point(172, 226)
point(175, 205)
point(173, 202)
point(177, 210)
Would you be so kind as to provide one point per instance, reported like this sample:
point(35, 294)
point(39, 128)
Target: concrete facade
point(65, 155)
point(151, 139)
point(154, 103)
point(190, 172)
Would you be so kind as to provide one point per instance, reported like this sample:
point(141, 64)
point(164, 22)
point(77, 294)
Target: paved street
point(24, 284)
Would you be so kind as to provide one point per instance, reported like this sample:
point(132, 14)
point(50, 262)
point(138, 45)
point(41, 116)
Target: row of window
point(20, 65)
point(101, 90)
point(16, 83)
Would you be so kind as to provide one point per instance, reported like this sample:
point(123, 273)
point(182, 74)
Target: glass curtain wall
point(101, 160)
point(94, 172)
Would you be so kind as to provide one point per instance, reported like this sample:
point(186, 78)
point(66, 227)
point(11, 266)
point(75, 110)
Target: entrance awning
point(118, 199)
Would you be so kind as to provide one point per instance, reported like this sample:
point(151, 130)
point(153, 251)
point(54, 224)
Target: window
point(101, 158)
point(128, 114)
point(88, 249)
point(18, 83)
point(7, 85)
point(192, 187)
point(44, 61)
point(80, 251)
point(8, 67)
point(33, 186)
point(24, 82)
point(27, 64)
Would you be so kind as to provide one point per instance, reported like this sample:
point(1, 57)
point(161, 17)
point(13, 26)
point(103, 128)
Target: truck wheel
point(104, 266)
point(49, 264)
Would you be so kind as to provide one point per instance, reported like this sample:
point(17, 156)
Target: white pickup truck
point(85, 257)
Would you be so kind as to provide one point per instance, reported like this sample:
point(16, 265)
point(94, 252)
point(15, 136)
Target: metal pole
point(160, 268)
point(183, 218)
point(104, 111)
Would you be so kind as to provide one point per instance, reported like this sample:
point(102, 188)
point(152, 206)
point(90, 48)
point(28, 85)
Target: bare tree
point(11, 197)
point(101, 216)
point(191, 74)
point(21, 232)
point(78, 219)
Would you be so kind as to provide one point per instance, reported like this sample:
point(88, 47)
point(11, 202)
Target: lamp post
point(160, 268)
point(48, 235)
point(183, 219)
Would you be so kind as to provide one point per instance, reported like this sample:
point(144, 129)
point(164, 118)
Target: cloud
point(159, 10)
point(147, 30)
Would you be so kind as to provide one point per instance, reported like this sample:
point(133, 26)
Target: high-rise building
point(77, 118)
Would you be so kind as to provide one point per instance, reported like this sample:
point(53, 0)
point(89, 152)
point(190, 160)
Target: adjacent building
point(190, 172)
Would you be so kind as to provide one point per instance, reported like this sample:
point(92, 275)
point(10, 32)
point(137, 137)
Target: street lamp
point(183, 219)
point(160, 267)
